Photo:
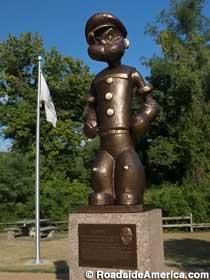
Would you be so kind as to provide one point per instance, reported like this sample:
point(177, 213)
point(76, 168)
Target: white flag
point(48, 103)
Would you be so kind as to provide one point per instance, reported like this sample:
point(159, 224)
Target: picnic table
point(26, 227)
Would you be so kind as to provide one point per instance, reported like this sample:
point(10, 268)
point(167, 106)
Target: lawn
point(14, 254)
point(183, 251)
point(187, 251)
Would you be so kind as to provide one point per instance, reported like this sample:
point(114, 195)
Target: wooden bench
point(12, 232)
point(47, 231)
point(60, 225)
point(184, 222)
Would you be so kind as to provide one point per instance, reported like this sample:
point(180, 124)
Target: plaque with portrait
point(107, 246)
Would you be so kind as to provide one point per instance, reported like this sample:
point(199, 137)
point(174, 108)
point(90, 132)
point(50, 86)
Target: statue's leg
point(129, 178)
point(102, 180)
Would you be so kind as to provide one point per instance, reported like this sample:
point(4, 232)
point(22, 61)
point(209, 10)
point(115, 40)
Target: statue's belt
point(113, 132)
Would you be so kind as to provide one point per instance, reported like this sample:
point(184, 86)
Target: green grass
point(15, 253)
point(187, 251)
point(183, 251)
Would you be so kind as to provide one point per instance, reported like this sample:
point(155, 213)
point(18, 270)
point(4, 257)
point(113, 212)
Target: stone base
point(90, 233)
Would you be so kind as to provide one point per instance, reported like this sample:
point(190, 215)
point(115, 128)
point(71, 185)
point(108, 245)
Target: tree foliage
point(68, 80)
point(179, 147)
point(16, 186)
point(58, 201)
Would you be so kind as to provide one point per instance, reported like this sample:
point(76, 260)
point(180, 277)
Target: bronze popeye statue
point(117, 175)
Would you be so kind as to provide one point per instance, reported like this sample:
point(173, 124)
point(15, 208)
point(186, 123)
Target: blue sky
point(61, 24)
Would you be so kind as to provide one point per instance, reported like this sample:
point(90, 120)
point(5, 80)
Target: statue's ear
point(126, 43)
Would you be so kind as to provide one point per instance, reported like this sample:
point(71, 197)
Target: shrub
point(59, 197)
point(181, 200)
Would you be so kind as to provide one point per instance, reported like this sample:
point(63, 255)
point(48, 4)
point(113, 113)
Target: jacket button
point(109, 80)
point(110, 112)
point(108, 96)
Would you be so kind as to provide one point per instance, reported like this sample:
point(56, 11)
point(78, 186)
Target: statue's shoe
point(127, 198)
point(98, 199)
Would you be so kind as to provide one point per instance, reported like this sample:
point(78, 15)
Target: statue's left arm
point(141, 121)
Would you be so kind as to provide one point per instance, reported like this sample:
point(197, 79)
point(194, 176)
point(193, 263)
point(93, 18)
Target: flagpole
point(37, 187)
point(38, 260)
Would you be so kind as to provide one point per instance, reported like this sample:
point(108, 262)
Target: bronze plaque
point(107, 246)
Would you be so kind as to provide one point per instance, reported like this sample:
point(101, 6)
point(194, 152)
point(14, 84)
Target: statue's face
point(107, 45)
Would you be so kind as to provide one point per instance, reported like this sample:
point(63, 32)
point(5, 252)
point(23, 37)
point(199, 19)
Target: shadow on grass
point(61, 270)
point(188, 254)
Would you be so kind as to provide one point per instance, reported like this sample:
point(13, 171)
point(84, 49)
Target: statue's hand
point(140, 123)
point(90, 128)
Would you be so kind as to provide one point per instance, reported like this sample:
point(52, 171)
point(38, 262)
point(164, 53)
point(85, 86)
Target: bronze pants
point(117, 170)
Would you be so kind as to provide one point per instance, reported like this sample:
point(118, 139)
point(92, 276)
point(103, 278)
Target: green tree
point(68, 80)
point(58, 201)
point(178, 150)
point(16, 187)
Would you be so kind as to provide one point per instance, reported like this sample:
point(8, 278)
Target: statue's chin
point(108, 53)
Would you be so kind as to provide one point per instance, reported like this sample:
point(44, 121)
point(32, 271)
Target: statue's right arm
point(90, 128)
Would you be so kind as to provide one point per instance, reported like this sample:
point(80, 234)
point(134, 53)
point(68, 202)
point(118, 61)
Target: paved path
point(32, 276)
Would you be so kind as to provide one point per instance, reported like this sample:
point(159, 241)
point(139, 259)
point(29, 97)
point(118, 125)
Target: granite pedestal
point(115, 239)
